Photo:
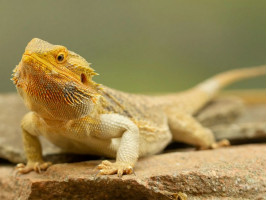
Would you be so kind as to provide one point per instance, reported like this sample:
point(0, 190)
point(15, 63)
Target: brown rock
point(223, 110)
point(236, 172)
point(11, 147)
point(232, 173)
point(12, 110)
point(228, 117)
point(249, 126)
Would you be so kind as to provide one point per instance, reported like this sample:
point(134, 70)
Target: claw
point(36, 167)
point(20, 165)
point(134, 172)
point(119, 168)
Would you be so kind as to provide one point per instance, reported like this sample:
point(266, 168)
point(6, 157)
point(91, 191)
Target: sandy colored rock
point(11, 147)
point(12, 110)
point(223, 110)
point(228, 117)
point(236, 172)
point(249, 126)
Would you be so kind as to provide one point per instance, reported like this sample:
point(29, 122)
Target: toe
point(32, 166)
point(36, 167)
point(222, 143)
point(20, 165)
point(108, 171)
point(24, 170)
point(120, 168)
point(45, 165)
point(129, 170)
point(120, 172)
point(106, 162)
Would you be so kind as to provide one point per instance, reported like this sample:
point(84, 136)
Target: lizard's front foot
point(32, 166)
point(120, 168)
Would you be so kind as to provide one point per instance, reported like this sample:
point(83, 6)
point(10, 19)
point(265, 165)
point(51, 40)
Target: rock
point(221, 111)
point(228, 117)
point(240, 131)
point(12, 110)
point(11, 148)
point(236, 172)
point(231, 119)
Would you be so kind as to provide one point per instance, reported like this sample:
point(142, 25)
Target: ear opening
point(84, 79)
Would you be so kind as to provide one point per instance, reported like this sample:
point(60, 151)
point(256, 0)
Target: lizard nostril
point(26, 58)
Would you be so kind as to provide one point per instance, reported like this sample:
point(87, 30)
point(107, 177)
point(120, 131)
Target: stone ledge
point(237, 172)
point(227, 117)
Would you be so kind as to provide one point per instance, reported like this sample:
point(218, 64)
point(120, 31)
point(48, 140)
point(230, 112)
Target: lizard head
point(55, 82)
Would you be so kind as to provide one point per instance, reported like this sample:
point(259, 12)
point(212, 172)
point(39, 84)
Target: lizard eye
point(60, 57)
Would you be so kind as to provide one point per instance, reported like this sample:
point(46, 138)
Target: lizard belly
point(149, 142)
point(155, 138)
point(153, 142)
point(71, 141)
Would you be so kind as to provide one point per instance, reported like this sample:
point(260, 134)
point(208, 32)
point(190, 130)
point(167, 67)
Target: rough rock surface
point(227, 117)
point(230, 118)
point(11, 147)
point(221, 111)
point(236, 172)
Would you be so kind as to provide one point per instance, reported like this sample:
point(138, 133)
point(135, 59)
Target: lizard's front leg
point(118, 126)
point(32, 147)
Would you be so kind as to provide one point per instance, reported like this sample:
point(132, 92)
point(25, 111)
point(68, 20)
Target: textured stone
point(11, 147)
point(228, 117)
point(236, 172)
point(12, 110)
point(221, 111)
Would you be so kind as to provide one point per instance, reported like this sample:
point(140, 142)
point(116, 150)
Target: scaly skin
point(80, 116)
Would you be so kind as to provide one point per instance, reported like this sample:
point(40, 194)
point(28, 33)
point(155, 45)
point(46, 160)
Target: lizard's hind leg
point(185, 128)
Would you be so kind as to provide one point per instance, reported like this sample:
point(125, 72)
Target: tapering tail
point(193, 99)
point(219, 81)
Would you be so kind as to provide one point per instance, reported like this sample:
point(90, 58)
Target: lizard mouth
point(47, 76)
point(39, 65)
point(34, 60)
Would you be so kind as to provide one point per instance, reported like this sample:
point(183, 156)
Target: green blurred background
point(141, 46)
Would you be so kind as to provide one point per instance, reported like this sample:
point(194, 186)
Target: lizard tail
point(212, 85)
point(193, 99)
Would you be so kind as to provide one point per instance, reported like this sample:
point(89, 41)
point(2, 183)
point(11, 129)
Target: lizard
point(81, 116)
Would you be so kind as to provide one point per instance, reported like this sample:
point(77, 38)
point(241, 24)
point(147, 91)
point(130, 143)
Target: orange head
point(55, 82)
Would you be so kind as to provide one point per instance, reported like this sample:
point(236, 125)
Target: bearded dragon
point(80, 116)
